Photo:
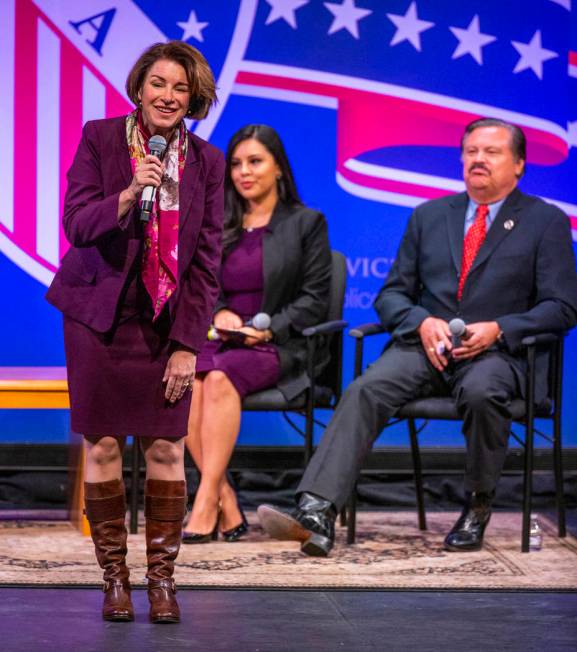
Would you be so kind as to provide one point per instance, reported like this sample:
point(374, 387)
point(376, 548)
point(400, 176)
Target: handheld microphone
point(260, 322)
point(459, 332)
point(156, 146)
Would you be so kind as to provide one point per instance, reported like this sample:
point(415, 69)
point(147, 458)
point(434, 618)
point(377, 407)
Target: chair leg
point(529, 437)
point(416, 455)
point(310, 400)
point(527, 485)
point(134, 485)
point(558, 467)
point(352, 517)
point(309, 429)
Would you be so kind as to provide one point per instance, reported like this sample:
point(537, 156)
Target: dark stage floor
point(60, 619)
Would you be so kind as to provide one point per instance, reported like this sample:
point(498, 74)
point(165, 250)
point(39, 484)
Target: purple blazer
point(88, 285)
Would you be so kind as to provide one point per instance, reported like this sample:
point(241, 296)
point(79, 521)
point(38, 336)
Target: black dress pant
point(482, 388)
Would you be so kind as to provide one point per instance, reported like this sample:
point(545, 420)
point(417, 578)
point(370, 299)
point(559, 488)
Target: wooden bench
point(30, 388)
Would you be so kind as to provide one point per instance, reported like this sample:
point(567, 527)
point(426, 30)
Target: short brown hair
point(198, 74)
point(518, 140)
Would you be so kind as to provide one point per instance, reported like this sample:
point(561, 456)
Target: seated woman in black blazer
point(277, 260)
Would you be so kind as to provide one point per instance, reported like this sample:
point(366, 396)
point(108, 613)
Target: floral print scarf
point(160, 253)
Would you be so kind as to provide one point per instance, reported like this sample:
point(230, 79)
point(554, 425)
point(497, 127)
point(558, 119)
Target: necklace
point(251, 228)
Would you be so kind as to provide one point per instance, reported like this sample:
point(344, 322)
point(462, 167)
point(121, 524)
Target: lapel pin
point(509, 224)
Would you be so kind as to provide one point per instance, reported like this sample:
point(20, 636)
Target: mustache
point(479, 166)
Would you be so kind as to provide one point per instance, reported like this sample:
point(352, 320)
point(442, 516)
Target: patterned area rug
point(390, 553)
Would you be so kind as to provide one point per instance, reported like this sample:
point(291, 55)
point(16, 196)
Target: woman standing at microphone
point(137, 291)
point(277, 260)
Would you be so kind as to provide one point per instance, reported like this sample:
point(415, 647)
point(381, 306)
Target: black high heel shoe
point(193, 537)
point(235, 533)
point(238, 531)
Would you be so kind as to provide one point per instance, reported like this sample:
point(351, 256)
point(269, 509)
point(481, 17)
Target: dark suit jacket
point(88, 285)
point(297, 279)
point(523, 277)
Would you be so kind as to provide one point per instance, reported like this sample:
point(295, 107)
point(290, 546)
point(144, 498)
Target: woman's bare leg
point(192, 440)
point(220, 423)
point(164, 458)
point(103, 458)
point(230, 515)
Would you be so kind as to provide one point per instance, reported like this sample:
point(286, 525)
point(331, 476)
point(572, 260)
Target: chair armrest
point(364, 330)
point(542, 338)
point(325, 328)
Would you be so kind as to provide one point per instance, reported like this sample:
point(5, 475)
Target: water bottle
point(535, 534)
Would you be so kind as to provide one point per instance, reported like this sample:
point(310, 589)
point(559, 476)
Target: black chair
point(324, 365)
point(524, 412)
point(324, 369)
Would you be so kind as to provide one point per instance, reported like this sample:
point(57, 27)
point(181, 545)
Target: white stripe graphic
point(281, 95)
point(48, 144)
point(383, 196)
point(131, 32)
point(24, 261)
point(403, 92)
point(405, 176)
point(7, 45)
point(566, 4)
point(93, 97)
point(402, 199)
point(230, 67)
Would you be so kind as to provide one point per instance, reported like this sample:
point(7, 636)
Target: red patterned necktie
point(473, 241)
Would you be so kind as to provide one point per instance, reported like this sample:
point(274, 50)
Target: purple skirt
point(249, 368)
point(115, 380)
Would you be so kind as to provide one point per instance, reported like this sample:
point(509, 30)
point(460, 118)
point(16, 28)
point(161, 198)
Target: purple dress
point(249, 368)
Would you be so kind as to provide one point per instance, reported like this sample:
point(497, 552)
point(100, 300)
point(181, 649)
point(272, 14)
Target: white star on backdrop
point(346, 16)
point(409, 27)
point(192, 28)
point(533, 55)
point(471, 41)
point(284, 9)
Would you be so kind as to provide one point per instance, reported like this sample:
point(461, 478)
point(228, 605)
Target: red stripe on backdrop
point(70, 118)
point(25, 100)
point(115, 104)
point(573, 58)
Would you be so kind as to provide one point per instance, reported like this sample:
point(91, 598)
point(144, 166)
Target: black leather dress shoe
point(312, 523)
point(467, 533)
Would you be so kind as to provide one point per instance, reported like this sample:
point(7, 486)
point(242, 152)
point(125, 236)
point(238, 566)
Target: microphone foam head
point(157, 145)
point(457, 327)
point(261, 321)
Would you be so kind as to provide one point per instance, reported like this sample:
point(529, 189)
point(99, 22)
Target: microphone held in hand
point(260, 322)
point(156, 146)
point(459, 332)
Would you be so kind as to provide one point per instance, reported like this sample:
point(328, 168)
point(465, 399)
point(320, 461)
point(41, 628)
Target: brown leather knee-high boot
point(106, 509)
point(164, 509)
